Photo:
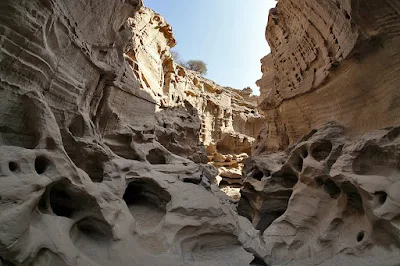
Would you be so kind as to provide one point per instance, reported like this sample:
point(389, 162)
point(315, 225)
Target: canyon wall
point(229, 118)
point(322, 183)
point(327, 200)
point(330, 61)
point(109, 148)
point(103, 141)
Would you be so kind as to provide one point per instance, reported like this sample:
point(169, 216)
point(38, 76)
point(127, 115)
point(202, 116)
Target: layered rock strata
point(95, 169)
point(229, 118)
point(330, 61)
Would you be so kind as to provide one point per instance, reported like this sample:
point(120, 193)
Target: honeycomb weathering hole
point(382, 196)
point(297, 163)
point(258, 175)
point(258, 262)
point(156, 156)
point(321, 150)
point(13, 166)
point(147, 201)
point(94, 228)
point(360, 236)
point(41, 164)
point(332, 189)
point(93, 237)
point(319, 182)
point(4, 262)
point(62, 199)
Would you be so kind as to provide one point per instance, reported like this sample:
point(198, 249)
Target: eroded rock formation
point(105, 140)
point(229, 118)
point(327, 199)
point(330, 61)
point(321, 192)
point(97, 167)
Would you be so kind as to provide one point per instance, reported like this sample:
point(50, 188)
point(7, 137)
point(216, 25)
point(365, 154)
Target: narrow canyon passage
point(114, 153)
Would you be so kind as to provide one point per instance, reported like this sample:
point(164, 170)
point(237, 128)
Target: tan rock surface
point(330, 61)
point(229, 117)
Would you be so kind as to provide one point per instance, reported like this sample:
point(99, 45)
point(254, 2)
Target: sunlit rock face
point(229, 119)
point(330, 61)
point(96, 169)
point(327, 199)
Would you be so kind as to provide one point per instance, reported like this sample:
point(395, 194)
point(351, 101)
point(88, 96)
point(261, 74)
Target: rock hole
point(268, 218)
point(93, 237)
point(60, 203)
point(77, 126)
point(354, 200)
point(304, 154)
point(360, 236)
point(13, 166)
point(258, 262)
point(286, 177)
point(4, 262)
point(258, 175)
point(63, 200)
point(41, 164)
point(121, 145)
point(332, 189)
point(156, 156)
point(297, 163)
point(381, 196)
point(334, 156)
point(321, 150)
point(394, 134)
point(147, 201)
point(319, 182)
point(95, 229)
point(50, 143)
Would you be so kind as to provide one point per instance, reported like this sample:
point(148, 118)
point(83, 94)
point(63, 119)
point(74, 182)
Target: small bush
point(197, 65)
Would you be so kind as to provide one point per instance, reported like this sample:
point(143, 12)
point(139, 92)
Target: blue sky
point(229, 35)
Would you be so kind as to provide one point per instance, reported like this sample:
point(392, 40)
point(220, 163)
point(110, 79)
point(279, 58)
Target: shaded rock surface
point(327, 199)
point(96, 167)
point(105, 142)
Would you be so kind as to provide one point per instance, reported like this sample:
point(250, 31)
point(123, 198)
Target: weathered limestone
point(95, 167)
point(330, 61)
point(326, 193)
point(229, 118)
point(327, 198)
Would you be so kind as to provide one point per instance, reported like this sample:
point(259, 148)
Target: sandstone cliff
point(330, 61)
point(101, 157)
point(327, 200)
point(229, 118)
point(107, 146)
point(321, 192)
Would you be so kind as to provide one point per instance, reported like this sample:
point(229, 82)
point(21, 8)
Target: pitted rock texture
point(327, 199)
point(330, 61)
point(230, 120)
point(94, 169)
